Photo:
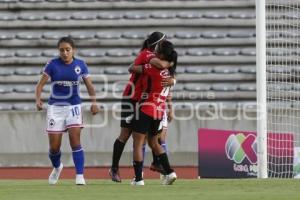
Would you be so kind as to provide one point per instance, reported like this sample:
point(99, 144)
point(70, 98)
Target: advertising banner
point(232, 154)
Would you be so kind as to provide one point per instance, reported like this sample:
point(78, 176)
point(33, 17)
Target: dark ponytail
point(173, 58)
point(153, 39)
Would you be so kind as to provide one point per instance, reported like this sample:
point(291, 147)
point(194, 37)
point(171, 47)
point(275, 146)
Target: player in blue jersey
point(64, 106)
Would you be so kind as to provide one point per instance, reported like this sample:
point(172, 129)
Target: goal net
point(283, 87)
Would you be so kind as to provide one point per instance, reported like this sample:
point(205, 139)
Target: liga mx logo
point(239, 147)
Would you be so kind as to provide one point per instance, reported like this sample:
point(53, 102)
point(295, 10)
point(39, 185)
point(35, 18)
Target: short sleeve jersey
point(155, 104)
point(136, 83)
point(65, 80)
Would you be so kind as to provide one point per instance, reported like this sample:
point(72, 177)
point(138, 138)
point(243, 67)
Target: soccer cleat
point(114, 175)
point(169, 179)
point(156, 168)
point(162, 177)
point(137, 183)
point(80, 179)
point(54, 176)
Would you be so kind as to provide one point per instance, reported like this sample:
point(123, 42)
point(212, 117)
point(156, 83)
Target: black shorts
point(127, 112)
point(145, 124)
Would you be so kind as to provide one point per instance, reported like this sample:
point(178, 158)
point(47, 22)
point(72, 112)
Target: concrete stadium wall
point(23, 141)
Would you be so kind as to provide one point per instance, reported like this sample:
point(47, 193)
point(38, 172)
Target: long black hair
point(153, 39)
point(166, 50)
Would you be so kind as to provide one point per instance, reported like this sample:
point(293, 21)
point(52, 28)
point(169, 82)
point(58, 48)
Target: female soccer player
point(64, 106)
point(151, 112)
point(131, 95)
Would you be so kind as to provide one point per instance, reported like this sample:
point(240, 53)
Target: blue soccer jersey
point(65, 79)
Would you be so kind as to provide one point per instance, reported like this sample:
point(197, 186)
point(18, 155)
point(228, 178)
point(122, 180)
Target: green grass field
point(204, 189)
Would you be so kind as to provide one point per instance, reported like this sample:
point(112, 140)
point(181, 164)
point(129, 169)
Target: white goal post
point(278, 88)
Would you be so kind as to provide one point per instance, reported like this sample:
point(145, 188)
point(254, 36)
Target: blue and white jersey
point(65, 79)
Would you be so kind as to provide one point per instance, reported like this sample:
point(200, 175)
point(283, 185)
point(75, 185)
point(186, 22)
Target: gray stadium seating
point(215, 42)
point(5, 106)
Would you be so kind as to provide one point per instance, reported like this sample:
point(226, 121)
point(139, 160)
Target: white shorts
point(60, 118)
point(164, 122)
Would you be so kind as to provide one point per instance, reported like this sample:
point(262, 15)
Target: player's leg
point(127, 114)
point(74, 124)
point(54, 156)
point(138, 143)
point(118, 149)
point(162, 131)
point(55, 129)
point(161, 154)
point(77, 154)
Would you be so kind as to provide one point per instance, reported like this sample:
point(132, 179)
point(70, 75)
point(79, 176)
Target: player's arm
point(170, 107)
point(38, 91)
point(136, 69)
point(92, 93)
point(168, 82)
point(160, 64)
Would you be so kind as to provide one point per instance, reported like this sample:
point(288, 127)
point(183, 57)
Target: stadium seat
point(225, 69)
point(28, 53)
point(189, 15)
point(31, 1)
point(50, 53)
point(242, 15)
point(82, 1)
point(135, 15)
point(224, 87)
point(226, 52)
point(5, 106)
point(91, 53)
point(248, 69)
point(187, 35)
point(178, 87)
point(198, 69)
point(108, 35)
point(180, 70)
point(24, 106)
point(28, 71)
point(57, 16)
point(213, 35)
point(247, 87)
point(96, 70)
point(240, 34)
point(6, 36)
point(199, 52)
point(5, 89)
point(197, 87)
point(30, 16)
point(248, 52)
point(215, 15)
point(82, 35)
point(134, 35)
point(7, 71)
point(54, 35)
point(109, 15)
point(8, 16)
point(58, 1)
point(24, 88)
point(29, 35)
point(84, 15)
point(116, 70)
point(6, 53)
point(114, 88)
point(118, 53)
point(162, 15)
